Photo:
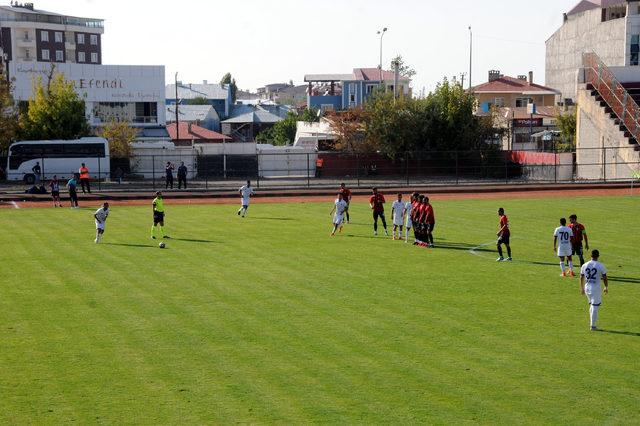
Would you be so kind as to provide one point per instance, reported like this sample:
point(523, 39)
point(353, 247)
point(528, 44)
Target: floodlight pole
point(177, 118)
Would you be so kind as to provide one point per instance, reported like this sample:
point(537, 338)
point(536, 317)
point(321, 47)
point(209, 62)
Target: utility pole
point(381, 32)
point(470, 54)
point(462, 76)
point(177, 118)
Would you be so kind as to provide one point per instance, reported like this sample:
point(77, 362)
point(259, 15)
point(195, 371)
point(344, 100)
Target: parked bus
point(58, 157)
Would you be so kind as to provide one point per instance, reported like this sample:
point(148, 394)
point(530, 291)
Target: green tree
point(405, 70)
point(566, 121)
point(228, 79)
point(120, 136)
point(8, 115)
point(198, 100)
point(284, 132)
point(55, 111)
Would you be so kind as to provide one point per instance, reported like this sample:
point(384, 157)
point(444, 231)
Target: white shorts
point(398, 221)
point(100, 225)
point(337, 219)
point(409, 224)
point(565, 250)
point(594, 294)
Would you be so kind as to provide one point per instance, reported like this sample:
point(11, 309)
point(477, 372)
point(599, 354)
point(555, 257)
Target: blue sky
point(268, 41)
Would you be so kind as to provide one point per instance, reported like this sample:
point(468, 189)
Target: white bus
point(58, 157)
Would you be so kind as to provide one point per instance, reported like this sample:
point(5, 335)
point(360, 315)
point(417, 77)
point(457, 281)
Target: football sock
point(593, 314)
point(571, 265)
point(562, 266)
point(500, 251)
point(509, 251)
point(375, 226)
point(153, 231)
point(162, 230)
point(347, 216)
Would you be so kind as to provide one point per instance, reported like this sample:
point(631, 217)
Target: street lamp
point(470, 54)
point(177, 118)
point(381, 33)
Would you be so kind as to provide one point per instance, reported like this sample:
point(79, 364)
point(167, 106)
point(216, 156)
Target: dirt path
point(326, 198)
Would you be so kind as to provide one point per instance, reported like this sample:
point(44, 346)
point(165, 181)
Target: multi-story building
point(508, 92)
point(609, 28)
point(344, 91)
point(216, 95)
point(32, 35)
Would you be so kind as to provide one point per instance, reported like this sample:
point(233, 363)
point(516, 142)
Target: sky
point(274, 41)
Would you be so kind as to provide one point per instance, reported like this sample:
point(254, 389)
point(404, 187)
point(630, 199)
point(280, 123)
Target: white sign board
point(95, 83)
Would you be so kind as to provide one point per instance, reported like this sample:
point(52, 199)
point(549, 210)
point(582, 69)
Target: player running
point(54, 185)
point(346, 196)
point(376, 202)
point(158, 216)
point(397, 213)
point(101, 218)
point(340, 207)
point(562, 239)
point(246, 191)
point(579, 233)
point(504, 235)
point(590, 275)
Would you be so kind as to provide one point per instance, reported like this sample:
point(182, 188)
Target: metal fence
point(291, 169)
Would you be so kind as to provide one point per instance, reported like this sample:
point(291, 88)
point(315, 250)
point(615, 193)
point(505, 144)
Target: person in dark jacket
point(182, 175)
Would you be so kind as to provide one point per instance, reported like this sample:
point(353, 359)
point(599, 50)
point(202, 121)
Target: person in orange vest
point(84, 179)
point(319, 165)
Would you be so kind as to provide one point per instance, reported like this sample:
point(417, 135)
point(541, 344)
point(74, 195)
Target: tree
point(198, 100)
point(55, 111)
point(120, 136)
point(284, 132)
point(228, 79)
point(8, 115)
point(349, 130)
point(405, 70)
point(567, 124)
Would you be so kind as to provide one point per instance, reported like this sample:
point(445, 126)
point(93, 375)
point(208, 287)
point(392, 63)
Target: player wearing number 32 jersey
point(590, 275)
point(562, 241)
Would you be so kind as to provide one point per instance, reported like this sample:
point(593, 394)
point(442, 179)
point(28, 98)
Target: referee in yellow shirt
point(158, 216)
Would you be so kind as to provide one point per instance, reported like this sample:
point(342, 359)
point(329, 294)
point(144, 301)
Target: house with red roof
point(187, 134)
point(343, 91)
point(501, 91)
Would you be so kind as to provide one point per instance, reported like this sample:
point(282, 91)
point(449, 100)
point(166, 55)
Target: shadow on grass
point(629, 280)
point(271, 218)
point(192, 240)
point(129, 245)
point(626, 333)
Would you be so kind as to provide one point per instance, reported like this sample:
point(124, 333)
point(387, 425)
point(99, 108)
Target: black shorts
point(503, 239)
point(377, 215)
point(576, 248)
point(55, 193)
point(158, 217)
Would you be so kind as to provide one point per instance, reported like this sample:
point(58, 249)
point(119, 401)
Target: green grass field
point(268, 320)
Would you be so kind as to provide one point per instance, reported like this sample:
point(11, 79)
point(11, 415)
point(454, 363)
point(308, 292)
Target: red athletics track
point(559, 192)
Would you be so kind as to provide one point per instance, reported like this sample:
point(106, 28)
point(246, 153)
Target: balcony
point(26, 42)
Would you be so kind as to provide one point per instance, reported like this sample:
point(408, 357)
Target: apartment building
point(32, 35)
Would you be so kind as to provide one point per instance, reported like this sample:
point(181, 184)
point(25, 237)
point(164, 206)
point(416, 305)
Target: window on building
point(27, 54)
point(94, 39)
point(81, 57)
point(94, 57)
point(58, 37)
point(26, 35)
point(370, 88)
point(523, 102)
point(45, 54)
point(44, 35)
point(59, 56)
point(80, 38)
point(635, 49)
point(499, 102)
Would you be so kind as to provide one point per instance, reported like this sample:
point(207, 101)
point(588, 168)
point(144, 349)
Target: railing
point(612, 92)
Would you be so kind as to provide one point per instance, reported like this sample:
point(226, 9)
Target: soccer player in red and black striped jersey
point(504, 235)
point(429, 220)
point(579, 233)
point(346, 196)
point(376, 202)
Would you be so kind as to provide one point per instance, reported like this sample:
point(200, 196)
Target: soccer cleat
point(572, 273)
point(95, 241)
point(238, 212)
point(166, 236)
point(509, 259)
point(375, 233)
point(386, 233)
point(594, 328)
point(500, 259)
point(153, 237)
point(340, 229)
point(564, 274)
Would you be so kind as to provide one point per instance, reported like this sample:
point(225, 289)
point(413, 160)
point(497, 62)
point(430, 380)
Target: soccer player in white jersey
point(562, 241)
point(246, 191)
point(407, 214)
point(590, 275)
point(101, 218)
point(397, 213)
point(340, 206)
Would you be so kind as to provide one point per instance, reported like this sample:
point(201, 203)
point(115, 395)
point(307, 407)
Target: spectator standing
point(84, 179)
point(37, 171)
point(182, 175)
point(72, 186)
point(55, 191)
point(169, 178)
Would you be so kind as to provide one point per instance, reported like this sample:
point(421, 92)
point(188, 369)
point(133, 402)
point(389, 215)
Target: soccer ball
point(161, 245)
